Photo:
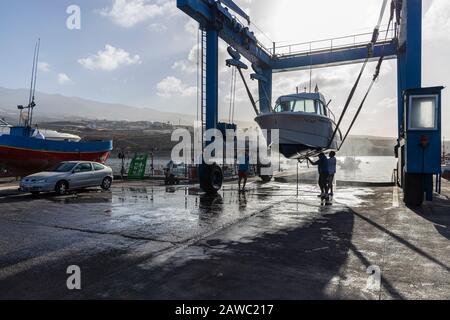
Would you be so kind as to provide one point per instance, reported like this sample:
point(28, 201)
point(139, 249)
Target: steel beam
point(328, 58)
point(212, 78)
point(409, 65)
point(213, 14)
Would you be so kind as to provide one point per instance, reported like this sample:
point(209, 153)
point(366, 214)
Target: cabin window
point(422, 113)
point(320, 108)
point(305, 105)
point(301, 105)
point(285, 106)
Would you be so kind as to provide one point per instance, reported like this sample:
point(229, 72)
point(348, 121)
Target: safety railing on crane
point(328, 45)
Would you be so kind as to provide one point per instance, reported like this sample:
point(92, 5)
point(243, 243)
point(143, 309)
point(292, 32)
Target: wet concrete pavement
point(146, 241)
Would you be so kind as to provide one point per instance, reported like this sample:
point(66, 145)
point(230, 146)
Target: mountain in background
point(54, 107)
point(368, 146)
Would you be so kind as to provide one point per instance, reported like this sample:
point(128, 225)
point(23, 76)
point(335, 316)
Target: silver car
point(69, 175)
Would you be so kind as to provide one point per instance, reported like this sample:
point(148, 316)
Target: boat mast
point(31, 102)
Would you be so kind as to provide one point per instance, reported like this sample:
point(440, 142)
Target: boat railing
point(330, 113)
point(330, 44)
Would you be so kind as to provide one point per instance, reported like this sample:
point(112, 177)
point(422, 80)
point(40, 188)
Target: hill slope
point(58, 107)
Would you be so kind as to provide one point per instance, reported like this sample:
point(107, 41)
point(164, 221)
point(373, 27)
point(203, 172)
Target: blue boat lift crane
point(221, 19)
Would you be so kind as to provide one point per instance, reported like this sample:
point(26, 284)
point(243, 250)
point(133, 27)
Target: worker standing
point(331, 171)
point(322, 165)
point(243, 172)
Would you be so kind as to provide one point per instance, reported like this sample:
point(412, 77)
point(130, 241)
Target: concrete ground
point(145, 241)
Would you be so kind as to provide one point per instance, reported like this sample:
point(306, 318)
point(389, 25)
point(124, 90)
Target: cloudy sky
point(143, 52)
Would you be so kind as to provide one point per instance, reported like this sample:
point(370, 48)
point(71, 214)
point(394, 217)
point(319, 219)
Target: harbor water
point(369, 169)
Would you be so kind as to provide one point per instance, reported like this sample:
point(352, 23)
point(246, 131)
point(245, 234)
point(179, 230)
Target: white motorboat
point(305, 125)
point(349, 163)
point(5, 129)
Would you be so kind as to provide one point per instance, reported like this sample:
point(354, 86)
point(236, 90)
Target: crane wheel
point(413, 191)
point(266, 178)
point(211, 178)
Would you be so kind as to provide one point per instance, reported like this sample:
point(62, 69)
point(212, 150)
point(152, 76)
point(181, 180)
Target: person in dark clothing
point(322, 165)
point(243, 172)
point(331, 171)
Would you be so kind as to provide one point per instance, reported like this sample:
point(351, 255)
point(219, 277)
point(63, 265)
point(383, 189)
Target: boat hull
point(301, 134)
point(20, 156)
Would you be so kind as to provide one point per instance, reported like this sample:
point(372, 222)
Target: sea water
point(370, 169)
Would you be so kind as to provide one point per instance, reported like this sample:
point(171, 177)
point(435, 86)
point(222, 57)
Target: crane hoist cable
point(232, 95)
point(375, 77)
point(249, 93)
point(371, 46)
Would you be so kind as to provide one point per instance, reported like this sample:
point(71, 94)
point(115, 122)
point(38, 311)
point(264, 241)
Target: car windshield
point(63, 167)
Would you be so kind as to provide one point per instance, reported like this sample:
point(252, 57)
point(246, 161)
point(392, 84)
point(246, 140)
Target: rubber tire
point(413, 191)
point(170, 180)
point(266, 178)
point(211, 178)
point(106, 186)
point(59, 188)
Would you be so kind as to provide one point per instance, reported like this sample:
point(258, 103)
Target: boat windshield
point(63, 167)
point(301, 105)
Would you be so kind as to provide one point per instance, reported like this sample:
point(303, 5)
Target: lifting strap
point(349, 99)
point(375, 77)
point(232, 96)
point(248, 91)
point(371, 45)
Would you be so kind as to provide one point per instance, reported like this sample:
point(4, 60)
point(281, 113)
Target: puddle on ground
point(176, 214)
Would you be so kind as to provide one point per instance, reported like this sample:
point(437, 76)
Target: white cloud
point(191, 27)
point(64, 79)
point(110, 59)
point(172, 86)
point(437, 20)
point(128, 13)
point(158, 27)
point(44, 67)
point(388, 103)
point(189, 65)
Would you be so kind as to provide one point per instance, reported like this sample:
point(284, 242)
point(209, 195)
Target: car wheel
point(106, 183)
point(61, 187)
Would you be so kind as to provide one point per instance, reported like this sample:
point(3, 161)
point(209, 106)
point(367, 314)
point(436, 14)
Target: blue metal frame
point(422, 147)
point(212, 15)
point(212, 78)
point(332, 58)
point(216, 18)
point(409, 56)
